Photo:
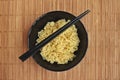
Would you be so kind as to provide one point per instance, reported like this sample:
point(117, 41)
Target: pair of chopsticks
point(32, 51)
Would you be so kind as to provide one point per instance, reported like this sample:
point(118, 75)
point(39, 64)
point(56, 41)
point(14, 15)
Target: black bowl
point(39, 25)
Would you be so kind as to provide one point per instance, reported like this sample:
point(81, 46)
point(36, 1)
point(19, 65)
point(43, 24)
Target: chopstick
point(36, 48)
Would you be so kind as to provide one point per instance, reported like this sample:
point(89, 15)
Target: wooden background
point(102, 61)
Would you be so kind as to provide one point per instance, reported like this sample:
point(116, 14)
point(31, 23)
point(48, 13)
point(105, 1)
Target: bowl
point(39, 24)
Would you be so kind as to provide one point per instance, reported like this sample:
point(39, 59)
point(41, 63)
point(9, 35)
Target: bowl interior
point(39, 25)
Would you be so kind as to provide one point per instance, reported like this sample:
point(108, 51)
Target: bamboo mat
point(102, 61)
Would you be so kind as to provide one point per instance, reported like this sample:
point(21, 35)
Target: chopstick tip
point(87, 10)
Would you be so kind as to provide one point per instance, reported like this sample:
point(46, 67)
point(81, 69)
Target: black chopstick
point(49, 38)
